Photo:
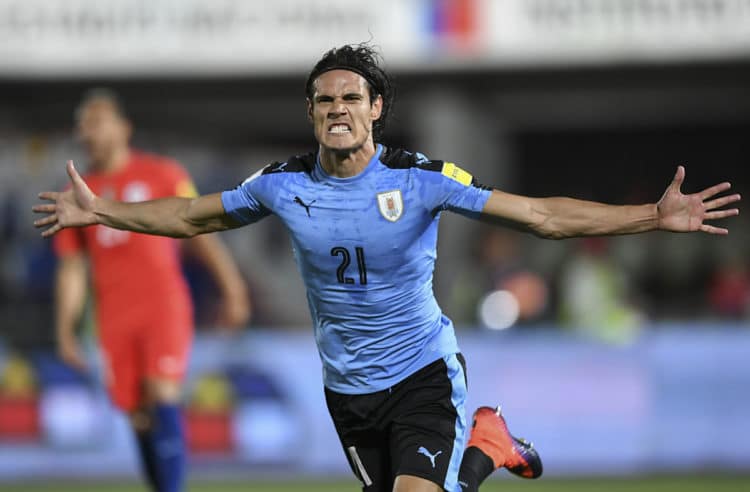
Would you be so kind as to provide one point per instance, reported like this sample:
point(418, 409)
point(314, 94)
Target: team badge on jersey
point(391, 205)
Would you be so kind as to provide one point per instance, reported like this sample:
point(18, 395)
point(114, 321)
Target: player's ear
point(309, 110)
point(376, 108)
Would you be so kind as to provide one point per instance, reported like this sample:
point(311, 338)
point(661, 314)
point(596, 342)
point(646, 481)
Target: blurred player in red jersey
point(143, 309)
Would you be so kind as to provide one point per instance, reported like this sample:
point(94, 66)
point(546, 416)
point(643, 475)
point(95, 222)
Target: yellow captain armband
point(455, 173)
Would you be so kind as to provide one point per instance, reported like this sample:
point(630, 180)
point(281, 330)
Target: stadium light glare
point(499, 310)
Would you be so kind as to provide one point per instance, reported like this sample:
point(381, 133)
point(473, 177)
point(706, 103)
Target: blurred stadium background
point(623, 359)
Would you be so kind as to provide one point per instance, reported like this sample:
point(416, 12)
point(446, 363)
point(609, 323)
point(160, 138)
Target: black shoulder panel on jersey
point(479, 185)
point(295, 164)
point(397, 158)
point(432, 166)
point(403, 159)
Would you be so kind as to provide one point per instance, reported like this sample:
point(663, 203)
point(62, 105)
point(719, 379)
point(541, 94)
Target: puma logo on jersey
point(305, 205)
point(423, 450)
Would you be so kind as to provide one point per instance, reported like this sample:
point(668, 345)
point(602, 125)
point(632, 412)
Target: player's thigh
point(428, 437)
point(370, 463)
point(122, 365)
point(408, 483)
point(166, 348)
point(365, 446)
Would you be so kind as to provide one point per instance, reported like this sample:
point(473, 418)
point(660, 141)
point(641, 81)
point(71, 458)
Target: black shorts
point(416, 427)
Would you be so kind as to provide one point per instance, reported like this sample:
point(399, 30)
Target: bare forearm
point(235, 308)
point(163, 217)
point(173, 216)
point(70, 294)
point(217, 259)
point(559, 217)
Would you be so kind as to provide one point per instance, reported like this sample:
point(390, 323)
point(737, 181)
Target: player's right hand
point(73, 207)
point(70, 352)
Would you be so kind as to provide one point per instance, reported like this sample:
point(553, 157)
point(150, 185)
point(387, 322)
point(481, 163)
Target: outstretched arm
point(173, 216)
point(560, 217)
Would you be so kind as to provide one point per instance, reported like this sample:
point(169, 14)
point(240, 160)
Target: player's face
point(102, 131)
point(341, 111)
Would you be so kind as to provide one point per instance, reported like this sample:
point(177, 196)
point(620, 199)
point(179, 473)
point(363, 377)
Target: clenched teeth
point(339, 129)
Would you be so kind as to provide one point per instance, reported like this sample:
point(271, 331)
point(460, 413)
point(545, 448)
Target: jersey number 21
point(346, 259)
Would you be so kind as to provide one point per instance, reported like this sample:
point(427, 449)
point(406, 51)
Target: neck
point(347, 162)
point(114, 162)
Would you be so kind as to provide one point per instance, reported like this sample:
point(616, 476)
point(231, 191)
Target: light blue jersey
point(366, 249)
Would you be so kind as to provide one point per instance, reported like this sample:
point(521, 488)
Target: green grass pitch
point(700, 483)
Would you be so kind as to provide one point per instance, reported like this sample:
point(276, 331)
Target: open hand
point(73, 207)
point(687, 213)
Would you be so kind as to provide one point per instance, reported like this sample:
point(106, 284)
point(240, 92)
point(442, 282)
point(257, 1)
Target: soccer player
point(363, 220)
point(143, 308)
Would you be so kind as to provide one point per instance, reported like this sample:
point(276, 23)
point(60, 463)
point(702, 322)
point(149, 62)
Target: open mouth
point(339, 128)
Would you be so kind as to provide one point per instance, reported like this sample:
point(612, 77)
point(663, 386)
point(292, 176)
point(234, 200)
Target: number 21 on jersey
point(346, 259)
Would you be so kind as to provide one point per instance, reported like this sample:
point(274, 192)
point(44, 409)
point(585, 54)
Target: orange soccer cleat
point(490, 434)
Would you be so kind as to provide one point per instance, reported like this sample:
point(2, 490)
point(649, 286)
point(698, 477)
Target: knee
point(161, 391)
point(140, 420)
point(156, 392)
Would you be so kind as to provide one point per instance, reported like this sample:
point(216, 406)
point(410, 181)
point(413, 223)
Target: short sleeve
point(243, 204)
point(446, 186)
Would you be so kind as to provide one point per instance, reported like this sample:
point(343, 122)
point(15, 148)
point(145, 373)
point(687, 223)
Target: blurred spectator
point(595, 297)
point(729, 289)
point(523, 294)
point(19, 416)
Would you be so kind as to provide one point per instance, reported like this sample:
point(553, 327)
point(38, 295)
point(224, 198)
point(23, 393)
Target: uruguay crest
point(391, 205)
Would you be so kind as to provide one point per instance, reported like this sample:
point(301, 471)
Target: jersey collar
point(324, 176)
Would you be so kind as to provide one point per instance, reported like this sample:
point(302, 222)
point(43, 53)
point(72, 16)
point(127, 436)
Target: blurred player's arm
point(561, 217)
point(174, 216)
point(70, 299)
point(211, 251)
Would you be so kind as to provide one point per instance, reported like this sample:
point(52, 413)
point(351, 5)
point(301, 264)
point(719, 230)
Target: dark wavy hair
point(364, 60)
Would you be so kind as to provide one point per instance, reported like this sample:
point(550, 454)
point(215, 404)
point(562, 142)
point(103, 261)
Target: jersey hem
point(389, 383)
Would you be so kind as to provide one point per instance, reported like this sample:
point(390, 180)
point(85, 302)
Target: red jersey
point(135, 276)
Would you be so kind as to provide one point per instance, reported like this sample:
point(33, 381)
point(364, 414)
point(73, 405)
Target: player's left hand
point(686, 213)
